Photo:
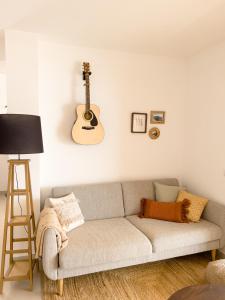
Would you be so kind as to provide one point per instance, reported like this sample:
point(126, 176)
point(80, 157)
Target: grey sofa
point(113, 236)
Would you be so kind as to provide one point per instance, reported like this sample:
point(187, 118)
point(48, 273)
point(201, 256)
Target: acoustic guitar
point(87, 129)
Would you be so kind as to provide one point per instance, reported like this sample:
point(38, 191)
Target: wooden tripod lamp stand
point(19, 134)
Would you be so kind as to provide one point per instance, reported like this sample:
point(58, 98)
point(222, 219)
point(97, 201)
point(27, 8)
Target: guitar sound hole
point(88, 115)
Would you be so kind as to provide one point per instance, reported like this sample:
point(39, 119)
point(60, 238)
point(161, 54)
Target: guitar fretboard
point(87, 91)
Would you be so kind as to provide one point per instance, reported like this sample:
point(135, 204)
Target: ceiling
point(160, 27)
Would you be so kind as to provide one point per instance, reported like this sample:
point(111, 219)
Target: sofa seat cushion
point(104, 241)
point(170, 235)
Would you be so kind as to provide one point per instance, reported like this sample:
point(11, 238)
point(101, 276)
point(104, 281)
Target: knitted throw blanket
point(49, 219)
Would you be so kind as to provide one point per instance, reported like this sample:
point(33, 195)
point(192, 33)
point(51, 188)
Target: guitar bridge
point(88, 127)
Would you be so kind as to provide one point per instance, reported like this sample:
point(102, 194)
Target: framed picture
point(139, 122)
point(157, 117)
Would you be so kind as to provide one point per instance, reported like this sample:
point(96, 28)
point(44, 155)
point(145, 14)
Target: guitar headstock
point(86, 67)
point(86, 70)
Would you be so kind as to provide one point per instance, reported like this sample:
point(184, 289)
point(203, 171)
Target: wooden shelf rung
point(18, 240)
point(19, 190)
point(20, 194)
point(19, 161)
point(16, 251)
point(15, 278)
point(19, 220)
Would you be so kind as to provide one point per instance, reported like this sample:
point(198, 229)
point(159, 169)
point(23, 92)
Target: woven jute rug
point(153, 281)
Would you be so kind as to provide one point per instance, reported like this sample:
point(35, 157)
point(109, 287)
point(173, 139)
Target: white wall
point(121, 83)
point(21, 51)
point(3, 158)
point(204, 170)
point(47, 76)
point(2, 66)
point(2, 46)
point(3, 98)
point(3, 103)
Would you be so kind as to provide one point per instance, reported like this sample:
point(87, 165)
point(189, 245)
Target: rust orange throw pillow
point(173, 212)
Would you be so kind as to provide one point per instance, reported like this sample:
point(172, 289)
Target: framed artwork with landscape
point(157, 117)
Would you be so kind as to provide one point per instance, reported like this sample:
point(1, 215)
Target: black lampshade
point(20, 134)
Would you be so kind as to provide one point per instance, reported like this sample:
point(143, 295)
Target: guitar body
point(88, 130)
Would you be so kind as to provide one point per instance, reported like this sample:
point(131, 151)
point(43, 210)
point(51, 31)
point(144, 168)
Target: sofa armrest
point(215, 213)
point(50, 257)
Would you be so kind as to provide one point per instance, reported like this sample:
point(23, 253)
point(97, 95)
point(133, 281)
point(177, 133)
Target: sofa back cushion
point(97, 201)
point(134, 191)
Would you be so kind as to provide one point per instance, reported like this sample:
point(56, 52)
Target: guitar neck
point(87, 91)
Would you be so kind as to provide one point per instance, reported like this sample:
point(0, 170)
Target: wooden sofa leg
point(60, 286)
point(213, 254)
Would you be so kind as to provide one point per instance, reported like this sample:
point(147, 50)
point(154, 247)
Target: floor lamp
point(19, 134)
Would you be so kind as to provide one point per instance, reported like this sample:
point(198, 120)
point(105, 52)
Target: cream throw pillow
point(68, 211)
point(52, 202)
point(196, 207)
point(70, 215)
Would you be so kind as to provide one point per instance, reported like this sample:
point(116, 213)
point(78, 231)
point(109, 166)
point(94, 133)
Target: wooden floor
point(153, 281)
